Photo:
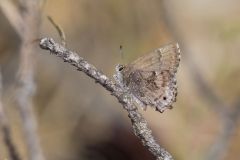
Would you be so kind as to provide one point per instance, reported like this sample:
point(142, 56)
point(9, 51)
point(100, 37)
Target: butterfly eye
point(120, 68)
point(164, 98)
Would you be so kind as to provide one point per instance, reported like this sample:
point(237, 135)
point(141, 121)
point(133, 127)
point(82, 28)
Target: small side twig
point(139, 124)
point(7, 136)
point(59, 30)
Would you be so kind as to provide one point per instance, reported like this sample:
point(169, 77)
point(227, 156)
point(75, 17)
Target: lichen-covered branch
point(142, 131)
point(139, 124)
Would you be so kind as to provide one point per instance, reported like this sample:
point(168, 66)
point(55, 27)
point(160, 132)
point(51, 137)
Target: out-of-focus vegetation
point(78, 119)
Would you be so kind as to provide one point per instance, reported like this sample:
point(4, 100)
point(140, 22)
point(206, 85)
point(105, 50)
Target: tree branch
point(139, 124)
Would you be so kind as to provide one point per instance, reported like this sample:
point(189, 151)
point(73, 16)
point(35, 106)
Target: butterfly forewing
point(164, 58)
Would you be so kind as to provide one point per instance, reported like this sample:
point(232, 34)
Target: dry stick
point(139, 124)
point(229, 118)
point(7, 136)
point(26, 24)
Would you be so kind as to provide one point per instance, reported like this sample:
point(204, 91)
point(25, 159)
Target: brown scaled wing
point(152, 78)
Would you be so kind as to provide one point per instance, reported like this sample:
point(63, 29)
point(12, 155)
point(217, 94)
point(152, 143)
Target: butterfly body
point(151, 79)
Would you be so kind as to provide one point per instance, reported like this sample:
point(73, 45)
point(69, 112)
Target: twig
point(139, 124)
point(59, 29)
point(7, 137)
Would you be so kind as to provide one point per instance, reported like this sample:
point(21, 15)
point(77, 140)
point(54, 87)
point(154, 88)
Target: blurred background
point(79, 119)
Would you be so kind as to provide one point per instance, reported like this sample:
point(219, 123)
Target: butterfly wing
point(152, 79)
point(164, 58)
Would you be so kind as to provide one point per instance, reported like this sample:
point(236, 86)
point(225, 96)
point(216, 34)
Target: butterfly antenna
point(121, 52)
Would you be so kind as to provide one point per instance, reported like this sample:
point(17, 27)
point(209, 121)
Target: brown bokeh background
point(78, 119)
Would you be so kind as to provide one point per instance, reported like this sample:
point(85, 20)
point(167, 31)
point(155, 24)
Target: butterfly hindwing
point(153, 88)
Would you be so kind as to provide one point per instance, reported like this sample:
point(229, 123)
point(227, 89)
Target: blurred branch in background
point(13, 15)
point(7, 137)
point(26, 22)
point(220, 147)
point(229, 118)
point(139, 124)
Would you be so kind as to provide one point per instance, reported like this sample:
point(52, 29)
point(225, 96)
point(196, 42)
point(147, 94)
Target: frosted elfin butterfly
point(151, 79)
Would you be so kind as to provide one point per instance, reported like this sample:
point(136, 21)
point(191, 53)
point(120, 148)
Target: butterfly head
point(119, 68)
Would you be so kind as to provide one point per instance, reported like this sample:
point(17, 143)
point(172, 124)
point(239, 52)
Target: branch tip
point(46, 43)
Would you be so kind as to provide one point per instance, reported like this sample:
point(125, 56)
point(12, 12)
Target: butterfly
point(151, 79)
